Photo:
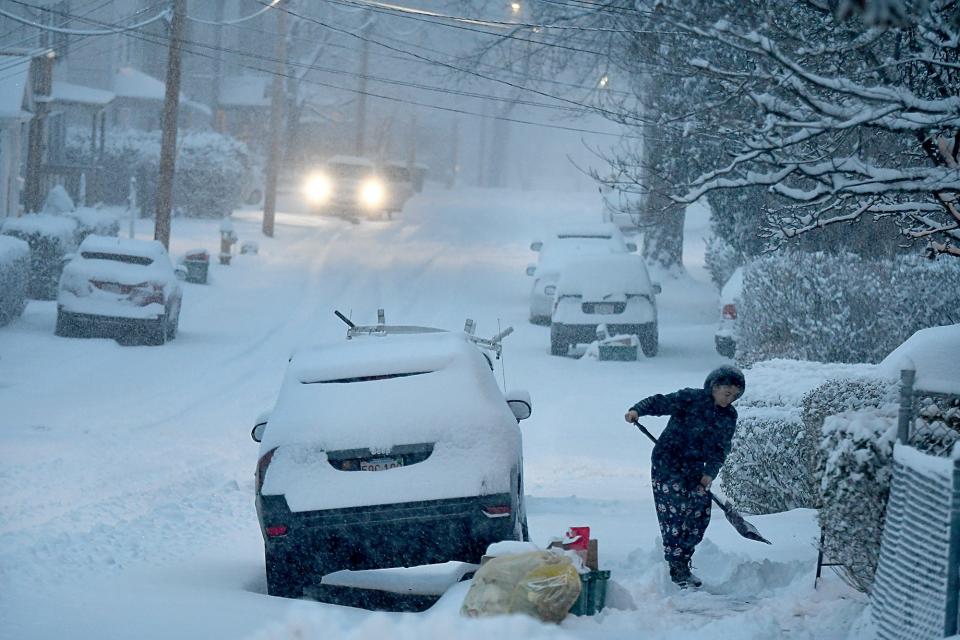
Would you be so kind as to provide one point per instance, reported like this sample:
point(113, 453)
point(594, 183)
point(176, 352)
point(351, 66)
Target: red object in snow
point(577, 538)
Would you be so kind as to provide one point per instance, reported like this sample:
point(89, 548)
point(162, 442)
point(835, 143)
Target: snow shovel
point(743, 527)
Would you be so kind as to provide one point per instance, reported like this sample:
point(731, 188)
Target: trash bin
point(197, 263)
point(593, 593)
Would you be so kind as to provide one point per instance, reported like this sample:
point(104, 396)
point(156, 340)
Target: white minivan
point(614, 290)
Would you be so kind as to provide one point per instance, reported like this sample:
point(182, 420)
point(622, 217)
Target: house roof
point(136, 85)
point(16, 76)
point(78, 94)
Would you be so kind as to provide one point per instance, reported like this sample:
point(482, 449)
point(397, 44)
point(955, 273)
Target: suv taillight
point(729, 311)
point(498, 511)
point(262, 465)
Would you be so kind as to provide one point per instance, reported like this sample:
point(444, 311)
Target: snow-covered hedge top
point(453, 398)
point(600, 277)
point(93, 218)
point(782, 382)
point(935, 355)
point(926, 463)
point(42, 224)
point(12, 249)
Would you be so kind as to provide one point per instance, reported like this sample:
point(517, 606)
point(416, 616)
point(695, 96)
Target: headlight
point(372, 193)
point(317, 189)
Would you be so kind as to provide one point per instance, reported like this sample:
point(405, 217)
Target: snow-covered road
point(126, 472)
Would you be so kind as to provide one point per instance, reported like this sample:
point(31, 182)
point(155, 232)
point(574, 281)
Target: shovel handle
point(647, 433)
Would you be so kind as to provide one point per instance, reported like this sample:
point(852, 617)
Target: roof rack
point(383, 329)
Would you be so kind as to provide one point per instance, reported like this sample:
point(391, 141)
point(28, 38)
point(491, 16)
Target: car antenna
point(345, 319)
point(503, 368)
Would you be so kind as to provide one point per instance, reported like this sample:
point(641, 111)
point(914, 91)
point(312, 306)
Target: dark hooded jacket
point(698, 436)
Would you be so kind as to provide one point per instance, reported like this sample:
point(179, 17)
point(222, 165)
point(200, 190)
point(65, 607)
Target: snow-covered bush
point(857, 454)
point(14, 277)
point(50, 239)
point(772, 462)
point(93, 221)
point(210, 169)
point(840, 307)
point(844, 394)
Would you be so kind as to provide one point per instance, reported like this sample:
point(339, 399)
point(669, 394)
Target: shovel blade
point(743, 527)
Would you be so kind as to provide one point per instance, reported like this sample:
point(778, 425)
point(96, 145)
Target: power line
point(453, 67)
point(78, 32)
point(235, 21)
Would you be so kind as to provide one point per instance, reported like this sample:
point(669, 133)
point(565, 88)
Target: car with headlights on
point(566, 244)
point(613, 290)
point(349, 187)
point(122, 288)
point(393, 448)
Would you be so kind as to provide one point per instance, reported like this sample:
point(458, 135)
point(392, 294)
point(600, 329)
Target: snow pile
point(933, 353)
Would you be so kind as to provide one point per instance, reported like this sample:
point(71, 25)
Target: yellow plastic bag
point(542, 584)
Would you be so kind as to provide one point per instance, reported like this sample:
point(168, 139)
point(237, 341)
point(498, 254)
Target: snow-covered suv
point(395, 448)
point(568, 243)
point(614, 290)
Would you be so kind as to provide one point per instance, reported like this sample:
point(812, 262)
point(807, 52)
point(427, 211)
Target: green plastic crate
point(593, 593)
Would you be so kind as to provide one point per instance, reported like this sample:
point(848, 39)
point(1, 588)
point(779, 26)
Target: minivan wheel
point(649, 340)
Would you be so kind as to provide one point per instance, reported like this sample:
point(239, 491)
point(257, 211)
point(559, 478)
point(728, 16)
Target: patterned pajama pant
point(683, 514)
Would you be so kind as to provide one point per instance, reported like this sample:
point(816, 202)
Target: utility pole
point(276, 124)
point(168, 144)
point(362, 94)
point(218, 123)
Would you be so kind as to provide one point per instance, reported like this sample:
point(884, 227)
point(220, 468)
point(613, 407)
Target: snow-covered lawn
point(127, 472)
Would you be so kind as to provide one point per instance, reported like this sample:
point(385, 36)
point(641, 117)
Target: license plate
point(604, 307)
point(380, 464)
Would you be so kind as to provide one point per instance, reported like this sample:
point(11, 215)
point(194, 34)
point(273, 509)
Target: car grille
point(604, 307)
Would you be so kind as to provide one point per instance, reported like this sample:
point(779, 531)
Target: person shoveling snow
point(687, 458)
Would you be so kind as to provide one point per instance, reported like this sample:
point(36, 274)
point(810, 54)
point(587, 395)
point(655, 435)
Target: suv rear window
point(117, 257)
point(572, 236)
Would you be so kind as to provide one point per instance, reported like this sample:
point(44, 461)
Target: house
point(15, 114)
point(138, 103)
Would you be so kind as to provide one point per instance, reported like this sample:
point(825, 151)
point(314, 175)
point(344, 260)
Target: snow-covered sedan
point(122, 288)
point(561, 247)
point(395, 448)
point(614, 290)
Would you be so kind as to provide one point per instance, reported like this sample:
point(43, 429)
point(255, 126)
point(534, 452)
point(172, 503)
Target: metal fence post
point(951, 622)
point(907, 377)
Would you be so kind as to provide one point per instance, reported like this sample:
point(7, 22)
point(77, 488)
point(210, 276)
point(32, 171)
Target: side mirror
point(536, 245)
point(632, 247)
point(531, 269)
point(180, 271)
point(657, 288)
point(260, 426)
point(67, 258)
point(519, 402)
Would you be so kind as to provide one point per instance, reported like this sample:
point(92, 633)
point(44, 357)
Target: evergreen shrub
point(50, 238)
point(841, 307)
point(857, 454)
point(14, 277)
